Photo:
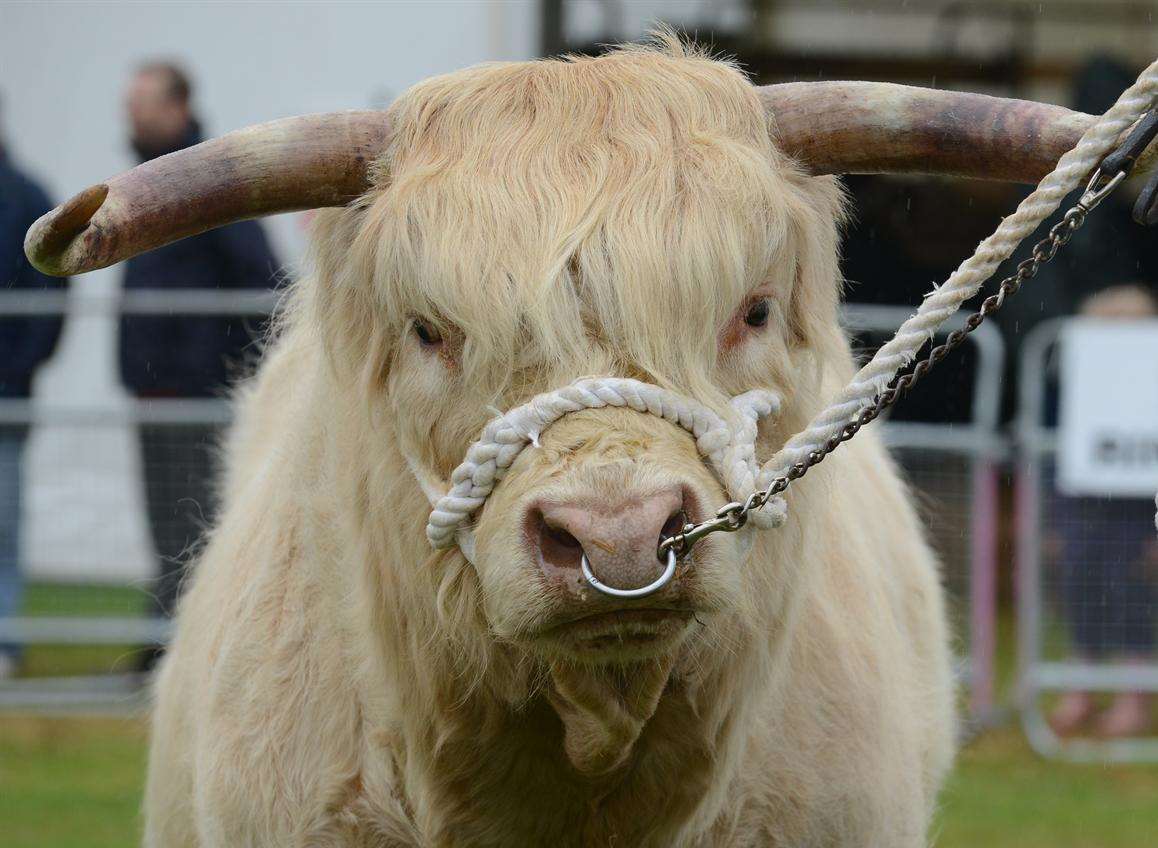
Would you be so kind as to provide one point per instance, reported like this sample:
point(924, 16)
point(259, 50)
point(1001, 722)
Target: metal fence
point(81, 637)
point(1083, 588)
point(953, 467)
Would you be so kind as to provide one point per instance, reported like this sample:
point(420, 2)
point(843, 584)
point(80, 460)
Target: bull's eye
point(427, 333)
point(757, 315)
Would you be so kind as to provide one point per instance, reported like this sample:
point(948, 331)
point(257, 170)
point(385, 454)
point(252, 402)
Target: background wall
point(63, 66)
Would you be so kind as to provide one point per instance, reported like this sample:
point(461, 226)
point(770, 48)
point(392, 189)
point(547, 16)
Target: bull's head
point(511, 228)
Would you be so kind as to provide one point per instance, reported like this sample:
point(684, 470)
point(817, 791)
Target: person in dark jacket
point(183, 356)
point(26, 341)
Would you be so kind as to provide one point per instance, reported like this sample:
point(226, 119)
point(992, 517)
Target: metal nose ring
point(655, 585)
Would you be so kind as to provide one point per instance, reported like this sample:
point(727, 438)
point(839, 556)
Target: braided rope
point(730, 447)
point(940, 304)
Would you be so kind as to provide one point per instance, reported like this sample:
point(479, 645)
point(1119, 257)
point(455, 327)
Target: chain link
point(733, 516)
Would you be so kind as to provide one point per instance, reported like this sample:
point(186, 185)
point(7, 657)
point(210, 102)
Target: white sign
point(1108, 420)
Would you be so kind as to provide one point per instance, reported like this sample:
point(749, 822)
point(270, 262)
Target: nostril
point(557, 546)
point(560, 537)
point(674, 524)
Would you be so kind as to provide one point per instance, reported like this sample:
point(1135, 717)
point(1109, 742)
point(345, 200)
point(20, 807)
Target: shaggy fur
point(334, 682)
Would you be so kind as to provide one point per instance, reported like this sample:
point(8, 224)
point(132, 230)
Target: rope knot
point(728, 445)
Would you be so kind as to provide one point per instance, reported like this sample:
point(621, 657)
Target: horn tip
point(49, 240)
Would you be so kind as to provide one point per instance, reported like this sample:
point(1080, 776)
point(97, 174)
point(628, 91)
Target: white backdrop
point(63, 66)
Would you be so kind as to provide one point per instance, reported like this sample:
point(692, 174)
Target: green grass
point(1001, 794)
point(83, 599)
point(64, 599)
point(70, 783)
point(77, 781)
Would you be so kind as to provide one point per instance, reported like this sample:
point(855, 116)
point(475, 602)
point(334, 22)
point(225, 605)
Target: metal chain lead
point(733, 516)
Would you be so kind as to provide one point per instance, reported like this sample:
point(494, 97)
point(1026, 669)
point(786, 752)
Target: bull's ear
point(817, 217)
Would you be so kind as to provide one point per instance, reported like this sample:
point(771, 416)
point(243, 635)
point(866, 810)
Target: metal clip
point(1099, 188)
point(729, 518)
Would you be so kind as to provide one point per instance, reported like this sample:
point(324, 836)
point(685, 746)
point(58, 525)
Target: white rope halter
point(728, 445)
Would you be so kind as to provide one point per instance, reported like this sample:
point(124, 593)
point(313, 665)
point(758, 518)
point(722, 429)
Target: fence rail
point(1040, 670)
point(83, 630)
point(972, 572)
point(141, 302)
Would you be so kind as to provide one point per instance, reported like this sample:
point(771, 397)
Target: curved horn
point(282, 166)
point(321, 160)
point(877, 128)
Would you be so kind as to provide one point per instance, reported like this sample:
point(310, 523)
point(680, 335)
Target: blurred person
point(1108, 553)
point(25, 343)
point(183, 356)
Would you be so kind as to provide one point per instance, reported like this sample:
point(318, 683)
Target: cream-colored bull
point(336, 682)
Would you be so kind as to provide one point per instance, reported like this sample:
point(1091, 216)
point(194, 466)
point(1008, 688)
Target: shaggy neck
point(470, 753)
point(467, 741)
